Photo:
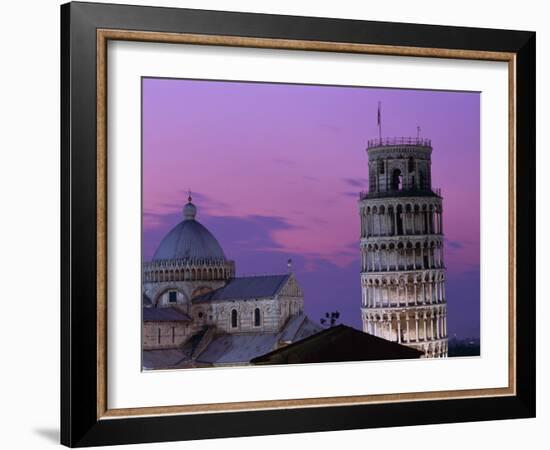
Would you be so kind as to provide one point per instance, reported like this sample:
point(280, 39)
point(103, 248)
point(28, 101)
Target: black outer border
point(79, 426)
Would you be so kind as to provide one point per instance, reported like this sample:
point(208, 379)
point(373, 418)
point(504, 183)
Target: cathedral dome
point(191, 241)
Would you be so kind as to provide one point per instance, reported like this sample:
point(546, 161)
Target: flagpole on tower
point(379, 119)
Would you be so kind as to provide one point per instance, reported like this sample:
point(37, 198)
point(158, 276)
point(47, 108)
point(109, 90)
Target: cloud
point(456, 245)
point(355, 182)
point(310, 178)
point(351, 194)
point(284, 161)
point(330, 127)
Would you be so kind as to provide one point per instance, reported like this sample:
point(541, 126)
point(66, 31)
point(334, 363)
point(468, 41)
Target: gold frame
point(104, 35)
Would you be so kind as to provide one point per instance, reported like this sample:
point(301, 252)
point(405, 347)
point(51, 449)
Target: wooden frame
point(86, 419)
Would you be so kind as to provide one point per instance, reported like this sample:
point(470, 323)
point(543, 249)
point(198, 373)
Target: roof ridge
point(263, 275)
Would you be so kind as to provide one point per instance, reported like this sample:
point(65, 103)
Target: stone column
point(416, 324)
point(425, 325)
point(423, 292)
point(398, 329)
point(408, 328)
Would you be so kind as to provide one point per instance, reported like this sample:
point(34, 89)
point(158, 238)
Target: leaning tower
point(402, 263)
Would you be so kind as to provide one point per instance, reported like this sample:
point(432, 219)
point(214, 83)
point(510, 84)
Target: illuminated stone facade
point(402, 258)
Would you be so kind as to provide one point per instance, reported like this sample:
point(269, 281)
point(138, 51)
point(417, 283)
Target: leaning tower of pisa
point(402, 262)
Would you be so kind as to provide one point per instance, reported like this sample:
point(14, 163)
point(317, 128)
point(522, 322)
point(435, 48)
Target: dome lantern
point(189, 210)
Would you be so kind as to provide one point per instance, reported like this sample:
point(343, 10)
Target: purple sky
point(275, 171)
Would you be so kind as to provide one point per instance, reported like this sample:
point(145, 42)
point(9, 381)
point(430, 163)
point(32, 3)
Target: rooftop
point(244, 288)
point(164, 315)
point(399, 141)
point(338, 344)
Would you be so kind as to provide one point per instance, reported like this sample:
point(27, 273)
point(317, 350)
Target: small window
point(158, 336)
point(200, 315)
point(257, 317)
point(173, 335)
point(234, 318)
point(173, 297)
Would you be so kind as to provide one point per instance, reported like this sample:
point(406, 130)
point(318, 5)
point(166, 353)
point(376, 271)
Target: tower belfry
point(402, 261)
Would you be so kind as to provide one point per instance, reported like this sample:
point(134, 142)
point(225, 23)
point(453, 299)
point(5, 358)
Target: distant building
point(402, 261)
point(196, 312)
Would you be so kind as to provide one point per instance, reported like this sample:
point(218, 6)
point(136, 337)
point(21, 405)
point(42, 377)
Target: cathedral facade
point(402, 258)
point(197, 312)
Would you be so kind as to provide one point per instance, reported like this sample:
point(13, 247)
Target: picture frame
point(86, 418)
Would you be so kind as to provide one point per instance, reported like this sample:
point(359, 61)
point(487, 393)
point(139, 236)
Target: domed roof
point(189, 240)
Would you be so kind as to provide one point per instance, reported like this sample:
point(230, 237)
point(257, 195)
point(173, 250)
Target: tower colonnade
point(402, 248)
point(425, 328)
point(413, 217)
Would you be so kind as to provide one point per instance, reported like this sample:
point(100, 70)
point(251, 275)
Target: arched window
point(234, 318)
point(257, 317)
point(411, 164)
point(397, 180)
point(381, 166)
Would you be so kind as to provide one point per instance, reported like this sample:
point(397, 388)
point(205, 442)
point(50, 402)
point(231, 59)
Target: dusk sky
point(276, 169)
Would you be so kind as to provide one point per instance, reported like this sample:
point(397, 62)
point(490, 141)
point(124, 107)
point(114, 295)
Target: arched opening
point(411, 164)
point(421, 180)
point(396, 180)
point(234, 318)
point(257, 317)
point(399, 219)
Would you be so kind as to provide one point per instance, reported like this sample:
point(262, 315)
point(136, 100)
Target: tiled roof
point(237, 348)
point(247, 288)
point(164, 315)
point(298, 327)
point(161, 359)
